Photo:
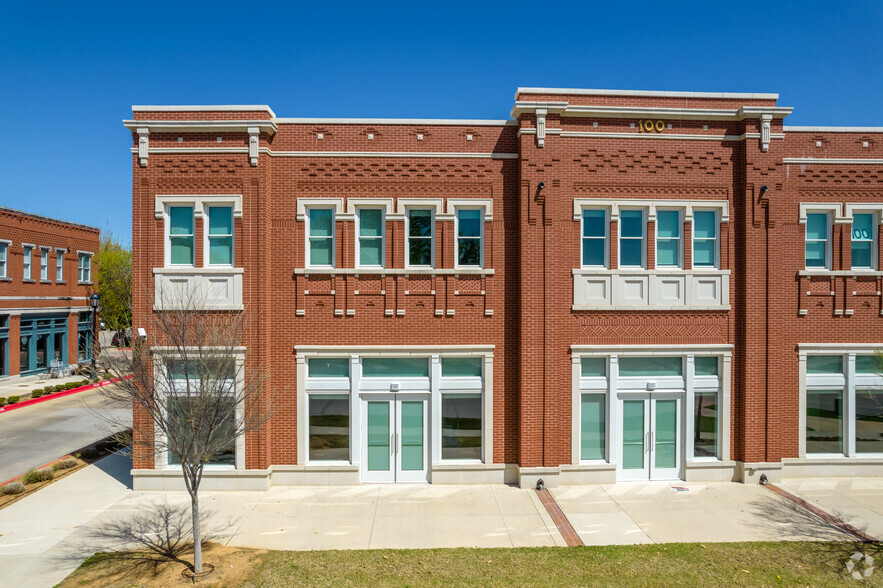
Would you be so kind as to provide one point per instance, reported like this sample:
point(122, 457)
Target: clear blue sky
point(70, 71)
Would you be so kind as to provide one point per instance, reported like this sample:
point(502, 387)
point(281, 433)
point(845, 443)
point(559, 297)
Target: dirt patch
point(233, 567)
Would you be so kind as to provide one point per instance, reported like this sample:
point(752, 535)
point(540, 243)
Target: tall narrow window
point(321, 237)
point(469, 237)
point(863, 241)
point(181, 235)
point(420, 238)
point(593, 427)
point(27, 252)
point(704, 238)
point(824, 421)
point(370, 252)
point(59, 265)
point(705, 423)
point(817, 240)
point(44, 264)
point(329, 427)
point(631, 238)
point(461, 426)
point(4, 255)
point(668, 238)
point(594, 238)
point(220, 235)
point(84, 267)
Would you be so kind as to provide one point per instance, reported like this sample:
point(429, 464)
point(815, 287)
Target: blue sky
point(69, 72)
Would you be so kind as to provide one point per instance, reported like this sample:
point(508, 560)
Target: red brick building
point(46, 277)
point(611, 285)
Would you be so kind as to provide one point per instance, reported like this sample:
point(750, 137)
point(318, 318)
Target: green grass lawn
point(676, 564)
point(686, 564)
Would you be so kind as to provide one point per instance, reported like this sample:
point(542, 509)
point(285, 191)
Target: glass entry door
point(394, 433)
point(651, 436)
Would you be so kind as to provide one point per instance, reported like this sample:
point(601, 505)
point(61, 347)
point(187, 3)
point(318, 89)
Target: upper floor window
point(4, 256)
point(370, 250)
point(421, 237)
point(818, 233)
point(59, 265)
point(84, 267)
point(631, 238)
point(863, 240)
point(668, 238)
point(44, 264)
point(705, 244)
point(320, 232)
point(27, 252)
point(470, 237)
point(594, 237)
point(219, 236)
point(180, 235)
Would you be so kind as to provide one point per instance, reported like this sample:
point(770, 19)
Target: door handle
point(392, 444)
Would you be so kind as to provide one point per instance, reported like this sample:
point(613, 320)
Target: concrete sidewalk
point(857, 501)
point(45, 536)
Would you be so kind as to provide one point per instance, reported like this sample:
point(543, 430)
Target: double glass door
point(393, 438)
point(651, 436)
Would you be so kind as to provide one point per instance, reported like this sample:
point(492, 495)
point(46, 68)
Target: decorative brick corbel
point(765, 122)
point(541, 126)
point(254, 134)
point(143, 145)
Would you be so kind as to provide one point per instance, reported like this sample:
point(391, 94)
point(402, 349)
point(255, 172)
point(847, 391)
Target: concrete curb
point(32, 401)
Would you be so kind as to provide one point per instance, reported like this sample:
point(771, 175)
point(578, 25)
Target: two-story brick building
point(608, 286)
point(46, 277)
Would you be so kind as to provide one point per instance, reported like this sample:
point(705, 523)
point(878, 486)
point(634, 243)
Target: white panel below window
point(650, 289)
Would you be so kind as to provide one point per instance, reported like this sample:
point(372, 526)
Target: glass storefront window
point(461, 426)
point(186, 410)
point(593, 367)
point(869, 421)
point(824, 421)
point(705, 424)
point(650, 366)
point(329, 428)
point(593, 430)
point(395, 367)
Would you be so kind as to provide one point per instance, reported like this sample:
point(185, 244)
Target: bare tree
point(193, 389)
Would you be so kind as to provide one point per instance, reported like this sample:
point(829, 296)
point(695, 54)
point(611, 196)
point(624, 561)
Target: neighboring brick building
point(46, 277)
point(613, 285)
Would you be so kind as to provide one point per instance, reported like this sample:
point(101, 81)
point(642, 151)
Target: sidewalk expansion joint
point(559, 518)
point(825, 516)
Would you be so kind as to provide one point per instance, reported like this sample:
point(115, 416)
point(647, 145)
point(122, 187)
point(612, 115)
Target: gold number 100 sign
point(649, 126)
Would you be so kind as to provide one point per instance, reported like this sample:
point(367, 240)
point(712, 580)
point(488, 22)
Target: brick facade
point(728, 151)
point(39, 298)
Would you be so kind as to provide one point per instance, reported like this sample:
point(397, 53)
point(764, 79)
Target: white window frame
point(84, 267)
point(875, 221)
point(206, 236)
point(358, 239)
point(44, 264)
point(168, 229)
point(483, 220)
point(59, 265)
point(606, 211)
point(4, 259)
point(644, 214)
point(27, 270)
point(334, 214)
point(408, 237)
point(680, 263)
point(717, 241)
point(162, 354)
point(827, 240)
point(848, 383)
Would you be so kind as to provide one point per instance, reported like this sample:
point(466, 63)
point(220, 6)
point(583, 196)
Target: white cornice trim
point(833, 129)
point(651, 349)
point(636, 135)
point(825, 160)
point(654, 93)
point(838, 347)
point(267, 151)
point(396, 121)
point(399, 349)
point(200, 126)
point(208, 108)
point(596, 111)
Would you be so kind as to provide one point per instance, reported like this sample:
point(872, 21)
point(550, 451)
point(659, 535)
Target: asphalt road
point(35, 435)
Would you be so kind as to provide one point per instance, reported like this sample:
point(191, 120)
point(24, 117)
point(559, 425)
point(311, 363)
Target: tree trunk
point(197, 542)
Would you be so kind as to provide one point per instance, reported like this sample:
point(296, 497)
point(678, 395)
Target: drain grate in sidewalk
point(825, 516)
point(559, 518)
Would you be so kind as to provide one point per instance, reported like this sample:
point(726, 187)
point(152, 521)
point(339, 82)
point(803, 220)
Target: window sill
point(45, 282)
point(834, 273)
point(61, 282)
point(393, 271)
point(5, 279)
point(28, 281)
point(642, 272)
point(84, 283)
point(194, 271)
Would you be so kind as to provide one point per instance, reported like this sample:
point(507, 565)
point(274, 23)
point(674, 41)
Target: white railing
point(651, 289)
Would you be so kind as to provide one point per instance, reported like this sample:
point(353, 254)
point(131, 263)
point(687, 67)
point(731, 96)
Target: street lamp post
point(93, 302)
